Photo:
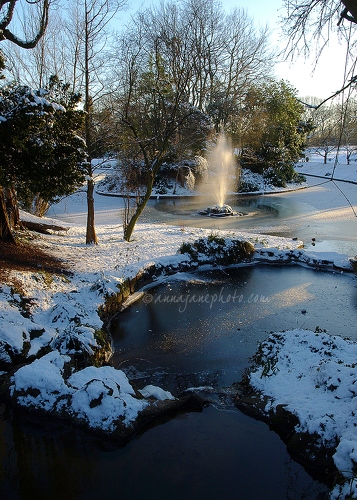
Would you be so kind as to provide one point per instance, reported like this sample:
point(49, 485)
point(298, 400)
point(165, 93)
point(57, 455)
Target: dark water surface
point(215, 454)
point(203, 327)
point(199, 329)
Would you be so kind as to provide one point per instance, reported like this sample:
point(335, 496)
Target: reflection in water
point(293, 296)
point(192, 326)
point(251, 205)
point(46, 461)
point(196, 455)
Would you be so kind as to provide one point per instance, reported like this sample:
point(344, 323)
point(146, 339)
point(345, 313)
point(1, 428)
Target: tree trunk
point(5, 229)
point(43, 227)
point(351, 5)
point(12, 207)
point(91, 237)
point(128, 230)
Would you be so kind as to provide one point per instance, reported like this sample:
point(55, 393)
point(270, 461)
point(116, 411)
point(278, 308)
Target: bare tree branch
point(8, 13)
point(352, 81)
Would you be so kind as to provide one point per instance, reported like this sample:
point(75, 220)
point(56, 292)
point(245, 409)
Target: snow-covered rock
point(313, 376)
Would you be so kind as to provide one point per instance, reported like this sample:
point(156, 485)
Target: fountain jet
point(222, 162)
point(222, 178)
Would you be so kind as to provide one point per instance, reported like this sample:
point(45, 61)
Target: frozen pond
point(201, 328)
point(216, 453)
point(321, 211)
point(178, 342)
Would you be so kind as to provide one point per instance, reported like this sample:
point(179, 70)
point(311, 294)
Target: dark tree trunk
point(12, 207)
point(129, 228)
point(351, 6)
point(91, 237)
point(5, 228)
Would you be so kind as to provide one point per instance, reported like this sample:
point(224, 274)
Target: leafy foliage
point(40, 149)
point(218, 250)
point(275, 135)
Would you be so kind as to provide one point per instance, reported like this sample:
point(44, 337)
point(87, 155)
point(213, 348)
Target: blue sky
point(320, 81)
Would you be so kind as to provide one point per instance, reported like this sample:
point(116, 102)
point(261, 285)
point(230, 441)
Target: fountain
point(222, 179)
point(219, 211)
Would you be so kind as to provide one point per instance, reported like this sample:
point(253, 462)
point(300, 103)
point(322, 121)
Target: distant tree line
point(154, 93)
point(334, 126)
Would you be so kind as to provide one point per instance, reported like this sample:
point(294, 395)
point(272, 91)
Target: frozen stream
point(218, 453)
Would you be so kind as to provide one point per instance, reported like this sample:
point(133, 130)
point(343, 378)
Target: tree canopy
point(180, 69)
point(275, 135)
point(41, 152)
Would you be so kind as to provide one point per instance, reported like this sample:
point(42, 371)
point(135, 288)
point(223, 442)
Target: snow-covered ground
point(65, 307)
point(333, 169)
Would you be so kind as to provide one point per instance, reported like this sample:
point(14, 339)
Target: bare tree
point(7, 13)
point(157, 121)
point(88, 28)
point(172, 64)
point(308, 25)
point(323, 138)
point(223, 51)
point(51, 56)
point(349, 128)
point(314, 20)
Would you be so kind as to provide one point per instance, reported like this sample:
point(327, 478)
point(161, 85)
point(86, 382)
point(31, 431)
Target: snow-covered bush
point(218, 250)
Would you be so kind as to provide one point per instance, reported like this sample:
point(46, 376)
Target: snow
point(313, 373)
point(112, 390)
point(98, 396)
point(156, 392)
point(337, 170)
point(315, 376)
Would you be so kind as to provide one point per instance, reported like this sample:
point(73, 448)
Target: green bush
point(218, 250)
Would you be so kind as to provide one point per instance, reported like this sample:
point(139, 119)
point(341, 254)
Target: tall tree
point(88, 25)
point(275, 133)
point(7, 12)
point(158, 122)
point(222, 52)
point(172, 61)
point(41, 152)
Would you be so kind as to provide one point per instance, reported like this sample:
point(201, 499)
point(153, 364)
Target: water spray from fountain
point(222, 178)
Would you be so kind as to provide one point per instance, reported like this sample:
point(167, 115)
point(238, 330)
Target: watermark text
point(209, 299)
